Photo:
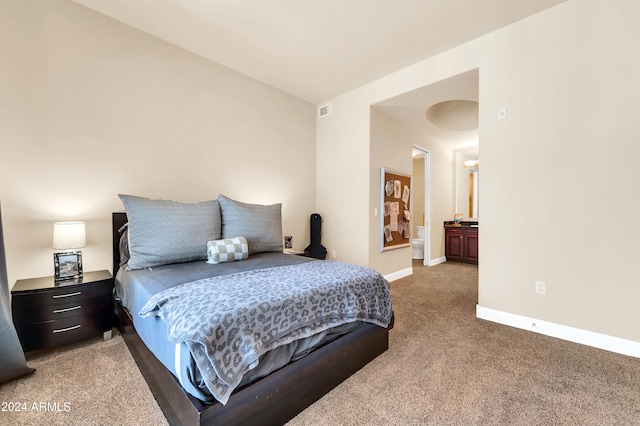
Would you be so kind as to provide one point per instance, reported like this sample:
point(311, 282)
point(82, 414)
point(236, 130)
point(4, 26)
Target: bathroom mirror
point(466, 182)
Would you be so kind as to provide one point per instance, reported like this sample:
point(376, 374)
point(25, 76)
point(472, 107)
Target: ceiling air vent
point(324, 110)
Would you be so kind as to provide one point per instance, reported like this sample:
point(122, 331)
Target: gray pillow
point(260, 225)
point(124, 244)
point(163, 231)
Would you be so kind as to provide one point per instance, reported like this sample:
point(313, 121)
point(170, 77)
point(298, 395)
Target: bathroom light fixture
point(68, 236)
point(472, 163)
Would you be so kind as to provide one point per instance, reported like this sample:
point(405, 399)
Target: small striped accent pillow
point(227, 250)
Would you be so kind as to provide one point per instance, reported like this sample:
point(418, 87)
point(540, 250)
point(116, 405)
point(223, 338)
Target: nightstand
point(294, 251)
point(48, 313)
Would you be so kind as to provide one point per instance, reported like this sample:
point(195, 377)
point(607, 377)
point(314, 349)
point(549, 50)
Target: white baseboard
point(437, 261)
point(399, 274)
point(409, 271)
point(576, 335)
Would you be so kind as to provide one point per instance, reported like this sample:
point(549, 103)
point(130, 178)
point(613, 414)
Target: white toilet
point(418, 244)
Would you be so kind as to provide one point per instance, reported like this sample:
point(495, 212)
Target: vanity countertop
point(467, 223)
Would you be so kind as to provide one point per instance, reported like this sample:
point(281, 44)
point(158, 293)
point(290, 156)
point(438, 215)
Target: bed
point(288, 373)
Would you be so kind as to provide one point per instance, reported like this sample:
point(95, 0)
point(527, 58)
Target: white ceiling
point(316, 50)
point(410, 108)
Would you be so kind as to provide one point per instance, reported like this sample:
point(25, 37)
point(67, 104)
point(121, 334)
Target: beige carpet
point(95, 382)
point(443, 367)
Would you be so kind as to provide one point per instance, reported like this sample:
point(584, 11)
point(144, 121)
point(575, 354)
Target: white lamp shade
point(69, 235)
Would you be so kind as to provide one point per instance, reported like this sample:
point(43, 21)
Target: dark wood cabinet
point(461, 244)
point(48, 313)
point(453, 245)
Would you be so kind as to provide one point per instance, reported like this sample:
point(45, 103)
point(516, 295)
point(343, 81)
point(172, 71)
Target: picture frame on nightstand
point(68, 265)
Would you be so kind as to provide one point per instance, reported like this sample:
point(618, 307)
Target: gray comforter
point(229, 321)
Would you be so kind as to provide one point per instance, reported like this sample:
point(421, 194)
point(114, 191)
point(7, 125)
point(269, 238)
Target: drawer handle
point(57, 311)
point(62, 330)
point(58, 296)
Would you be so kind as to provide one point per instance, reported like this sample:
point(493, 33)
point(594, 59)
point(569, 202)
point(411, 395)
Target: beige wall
point(90, 108)
point(570, 83)
point(555, 192)
point(342, 183)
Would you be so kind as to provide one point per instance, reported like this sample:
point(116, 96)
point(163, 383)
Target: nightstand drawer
point(61, 296)
point(67, 330)
point(32, 314)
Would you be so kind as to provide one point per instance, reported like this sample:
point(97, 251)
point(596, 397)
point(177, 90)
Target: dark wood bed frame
point(272, 400)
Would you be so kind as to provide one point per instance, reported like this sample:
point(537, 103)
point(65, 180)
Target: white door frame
point(427, 204)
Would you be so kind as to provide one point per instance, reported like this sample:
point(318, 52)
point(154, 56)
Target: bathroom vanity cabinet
point(461, 243)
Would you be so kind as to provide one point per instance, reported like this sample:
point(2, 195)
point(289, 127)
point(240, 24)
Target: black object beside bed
point(274, 399)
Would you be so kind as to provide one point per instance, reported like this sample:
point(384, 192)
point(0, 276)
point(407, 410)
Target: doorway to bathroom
point(436, 120)
point(421, 232)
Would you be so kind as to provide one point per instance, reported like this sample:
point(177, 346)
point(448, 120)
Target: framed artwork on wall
point(395, 209)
